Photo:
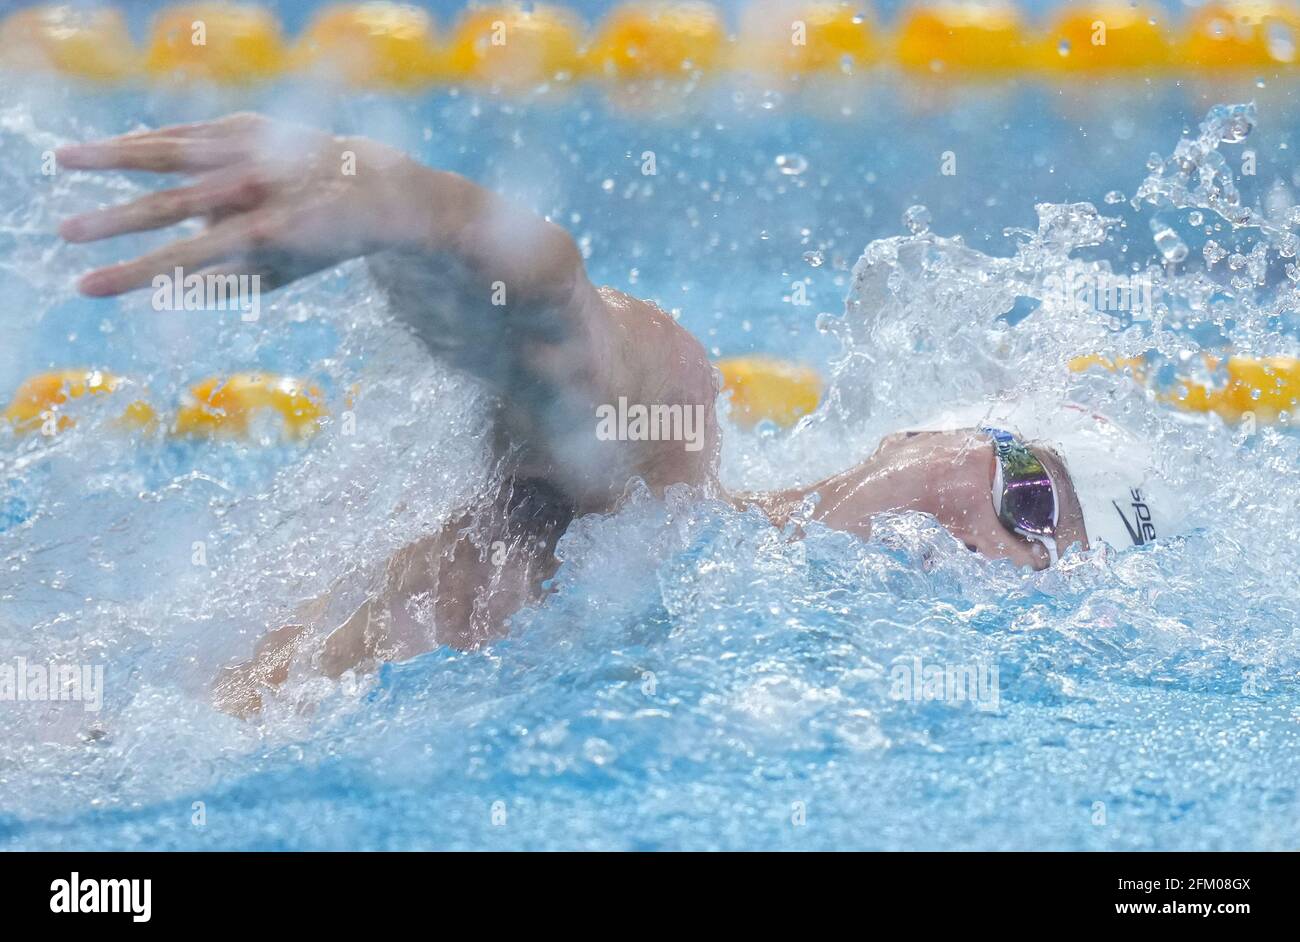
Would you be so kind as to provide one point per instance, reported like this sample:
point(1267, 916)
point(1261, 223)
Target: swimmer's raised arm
point(492, 288)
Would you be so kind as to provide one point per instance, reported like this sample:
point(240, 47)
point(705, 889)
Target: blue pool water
point(698, 679)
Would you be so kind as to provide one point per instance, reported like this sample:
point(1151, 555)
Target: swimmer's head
point(1105, 479)
point(949, 474)
point(1124, 500)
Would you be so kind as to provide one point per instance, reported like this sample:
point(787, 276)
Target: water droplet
point(916, 219)
point(815, 259)
point(1171, 247)
point(1113, 197)
point(1281, 41)
point(1196, 218)
point(598, 751)
point(1236, 128)
point(792, 164)
point(1063, 47)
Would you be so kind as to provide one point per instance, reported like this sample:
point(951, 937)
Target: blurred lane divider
point(394, 45)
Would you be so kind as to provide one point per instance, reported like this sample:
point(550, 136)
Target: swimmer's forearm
point(509, 257)
point(489, 285)
point(502, 294)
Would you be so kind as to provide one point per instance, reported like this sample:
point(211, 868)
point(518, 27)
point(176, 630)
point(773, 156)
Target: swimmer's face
point(950, 476)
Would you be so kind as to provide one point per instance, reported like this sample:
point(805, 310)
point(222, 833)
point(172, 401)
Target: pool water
point(698, 679)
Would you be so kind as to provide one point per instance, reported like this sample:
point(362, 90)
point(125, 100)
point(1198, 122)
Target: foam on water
point(698, 678)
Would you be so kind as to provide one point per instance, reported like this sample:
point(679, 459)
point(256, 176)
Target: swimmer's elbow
point(526, 260)
point(560, 272)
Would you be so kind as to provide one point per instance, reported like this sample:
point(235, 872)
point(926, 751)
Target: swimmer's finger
point(161, 155)
point(240, 122)
point(224, 240)
point(219, 194)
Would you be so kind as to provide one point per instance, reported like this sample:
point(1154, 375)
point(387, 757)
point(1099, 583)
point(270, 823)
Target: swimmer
point(499, 293)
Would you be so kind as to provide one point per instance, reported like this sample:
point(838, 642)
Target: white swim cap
point(1123, 498)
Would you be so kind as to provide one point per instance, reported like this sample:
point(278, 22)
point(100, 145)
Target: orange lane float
point(233, 407)
point(1250, 34)
point(394, 45)
point(238, 406)
point(659, 40)
point(1108, 37)
point(967, 38)
point(376, 45)
point(39, 404)
point(801, 37)
point(89, 43)
point(216, 41)
point(515, 46)
point(764, 388)
point(1264, 387)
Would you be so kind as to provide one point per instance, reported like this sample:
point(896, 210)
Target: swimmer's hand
point(281, 201)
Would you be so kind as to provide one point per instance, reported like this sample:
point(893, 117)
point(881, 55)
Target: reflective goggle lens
point(1027, 502)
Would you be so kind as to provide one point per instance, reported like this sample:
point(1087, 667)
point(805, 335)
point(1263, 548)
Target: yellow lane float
point(372, 44)
point(963, 37)
point(764, 388)
point(1243, 35)
point(216, 41)
point(88, 43)
point(760, 388)
point(515, 46)
point(1265, 387)
point(394, 45)
point(659, 40)
point(231, 407)
point(798, 38)
point(217, 407)
point(1110, 36)
point(38, 403)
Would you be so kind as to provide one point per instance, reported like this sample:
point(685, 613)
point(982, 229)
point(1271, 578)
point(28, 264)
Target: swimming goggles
point(1024, 495)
